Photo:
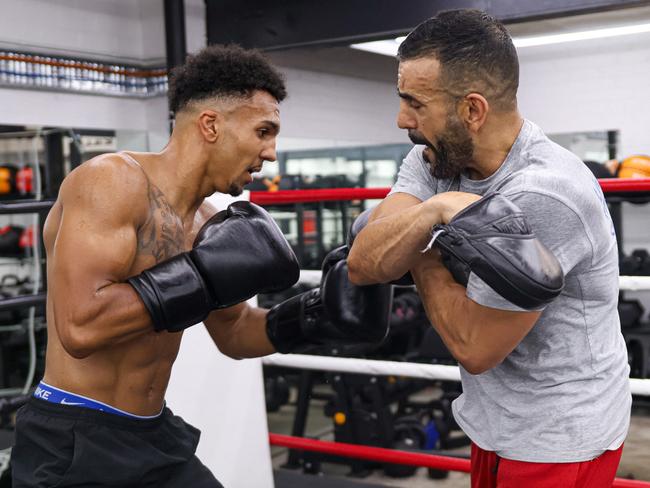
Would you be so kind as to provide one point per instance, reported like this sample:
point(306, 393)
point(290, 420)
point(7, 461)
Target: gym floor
point(634, 463)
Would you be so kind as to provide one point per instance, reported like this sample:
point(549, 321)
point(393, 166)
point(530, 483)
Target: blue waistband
point(56, 395)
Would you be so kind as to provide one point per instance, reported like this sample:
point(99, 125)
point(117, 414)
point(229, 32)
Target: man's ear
point(209, 123)
point(474, 111)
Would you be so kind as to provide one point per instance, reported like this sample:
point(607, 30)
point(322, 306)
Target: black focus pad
point(492, 239)
point(357, 226)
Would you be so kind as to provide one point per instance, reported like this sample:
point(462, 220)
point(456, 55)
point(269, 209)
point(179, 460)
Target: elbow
point(473, 361)
point(476, 365)
point(229, 353)
point(227, 346)
point(358, 270)
point(355, 273)
point(77, 333)
point(77, 342)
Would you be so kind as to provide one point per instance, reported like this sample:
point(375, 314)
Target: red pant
point(491, 471)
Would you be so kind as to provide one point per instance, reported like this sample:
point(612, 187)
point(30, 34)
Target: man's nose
point(269, 153)
point(405, 119)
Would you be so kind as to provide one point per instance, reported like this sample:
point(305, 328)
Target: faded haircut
point(475, 52)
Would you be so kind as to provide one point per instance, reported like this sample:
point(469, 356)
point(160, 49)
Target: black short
point(60, 445)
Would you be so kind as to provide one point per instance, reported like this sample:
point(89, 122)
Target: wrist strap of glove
point(288, 324)
point(174, 293)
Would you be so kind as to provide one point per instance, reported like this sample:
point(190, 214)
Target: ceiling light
point(389, 47)
point(581, 36)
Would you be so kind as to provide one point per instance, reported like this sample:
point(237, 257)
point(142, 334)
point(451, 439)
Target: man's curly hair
point(224, 71)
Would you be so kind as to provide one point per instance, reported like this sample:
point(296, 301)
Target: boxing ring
point(437, 372)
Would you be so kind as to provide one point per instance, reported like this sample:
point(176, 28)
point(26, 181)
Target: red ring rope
point(370, 453)
point(625, 184)
point(286, 197)
point(384, 455)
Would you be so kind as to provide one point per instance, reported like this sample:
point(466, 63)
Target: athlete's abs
point(132, 375)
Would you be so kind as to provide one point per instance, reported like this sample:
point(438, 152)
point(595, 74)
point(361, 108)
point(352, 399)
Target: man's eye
point(262, 132)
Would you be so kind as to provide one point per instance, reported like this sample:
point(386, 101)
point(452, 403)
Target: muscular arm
point(93, 253)
point(399, 228)
point(389, 245)
point(478, 337)
point(240, 331)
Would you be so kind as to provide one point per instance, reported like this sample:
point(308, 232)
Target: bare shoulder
point(107, 182)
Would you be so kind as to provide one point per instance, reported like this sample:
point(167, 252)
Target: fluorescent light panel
point(389, 47)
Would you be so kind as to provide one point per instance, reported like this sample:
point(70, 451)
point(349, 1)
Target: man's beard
point(453, 149)
point(235, 190)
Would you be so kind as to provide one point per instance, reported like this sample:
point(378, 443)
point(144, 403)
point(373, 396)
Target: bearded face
point(450, 152)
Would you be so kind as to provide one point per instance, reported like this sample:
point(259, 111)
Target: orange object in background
point(635, 167)
point(274, 184)
point(6, 180)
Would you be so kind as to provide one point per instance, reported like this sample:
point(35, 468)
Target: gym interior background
point(78, 78)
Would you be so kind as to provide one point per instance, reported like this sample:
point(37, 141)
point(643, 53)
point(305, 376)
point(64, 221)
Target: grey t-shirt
point(563, 394)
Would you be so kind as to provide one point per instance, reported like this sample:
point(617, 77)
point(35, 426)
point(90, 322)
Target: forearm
point(464, 329)
point(444, 301)
point(389, 246)
point(479, 337)
point(245, 337)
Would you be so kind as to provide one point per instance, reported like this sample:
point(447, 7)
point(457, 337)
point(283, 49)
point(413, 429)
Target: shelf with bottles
point(57, 73)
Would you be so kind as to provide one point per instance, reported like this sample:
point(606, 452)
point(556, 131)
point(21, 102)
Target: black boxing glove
point(238, 253)
point(492, 239)
point(336, 313)
point(357, 226)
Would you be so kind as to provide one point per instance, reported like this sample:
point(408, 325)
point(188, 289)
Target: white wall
point(108, 29)
point(591, 85)
point(43, 108)
point(337, 108)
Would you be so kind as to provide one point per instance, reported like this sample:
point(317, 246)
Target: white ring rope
point(415, 370)
point(625, 283)
point(634, 283)
point(391, 368)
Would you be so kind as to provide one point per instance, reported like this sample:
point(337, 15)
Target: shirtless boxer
point(135, 255)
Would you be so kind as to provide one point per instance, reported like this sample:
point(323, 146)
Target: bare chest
point(163, 235)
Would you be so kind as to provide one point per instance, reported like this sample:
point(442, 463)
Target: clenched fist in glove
point(238, 253)
point(337, 312)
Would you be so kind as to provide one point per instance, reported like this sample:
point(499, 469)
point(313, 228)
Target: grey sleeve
point(480, 292)
point(414, 177)
point(557, 226)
